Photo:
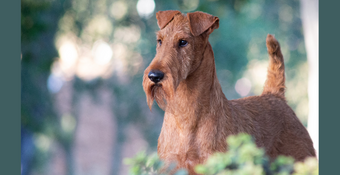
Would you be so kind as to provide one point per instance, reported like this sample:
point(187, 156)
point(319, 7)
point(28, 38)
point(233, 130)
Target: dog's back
point(273, 124)
point(269, 118)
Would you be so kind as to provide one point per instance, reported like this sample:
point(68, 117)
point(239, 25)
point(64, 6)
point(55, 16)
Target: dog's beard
point(162, 92)
point(159, 95)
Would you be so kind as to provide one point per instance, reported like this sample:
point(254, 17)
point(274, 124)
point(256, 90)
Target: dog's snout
point(155, 75)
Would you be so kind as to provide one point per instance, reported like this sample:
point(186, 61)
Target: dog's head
point(181, 43)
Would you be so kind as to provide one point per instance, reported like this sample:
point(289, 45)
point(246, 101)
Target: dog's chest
point(181, 146)
point(179, 150)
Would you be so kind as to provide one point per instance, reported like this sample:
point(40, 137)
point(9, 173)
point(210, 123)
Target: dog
point(198, 117)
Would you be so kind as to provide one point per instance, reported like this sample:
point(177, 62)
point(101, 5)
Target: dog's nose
point(156, 75)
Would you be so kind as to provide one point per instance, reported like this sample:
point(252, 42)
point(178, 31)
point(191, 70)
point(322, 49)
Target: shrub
point(242, 158)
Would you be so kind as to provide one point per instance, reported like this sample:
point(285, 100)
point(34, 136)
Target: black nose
point(156, 75)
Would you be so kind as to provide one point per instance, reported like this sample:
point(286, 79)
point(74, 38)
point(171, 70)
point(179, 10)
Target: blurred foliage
point(143, 164)
point(242, 158)
point(39, 123)
point(238, 44)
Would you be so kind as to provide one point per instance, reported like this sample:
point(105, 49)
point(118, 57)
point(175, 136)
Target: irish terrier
point(198, 117)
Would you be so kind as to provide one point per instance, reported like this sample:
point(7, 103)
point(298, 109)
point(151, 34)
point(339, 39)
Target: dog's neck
point(197, 100)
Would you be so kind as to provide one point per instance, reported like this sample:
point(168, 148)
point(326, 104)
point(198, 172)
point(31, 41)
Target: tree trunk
point(310, 22)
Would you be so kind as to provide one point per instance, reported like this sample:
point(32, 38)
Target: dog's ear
point(164, 17)
point(201, 22)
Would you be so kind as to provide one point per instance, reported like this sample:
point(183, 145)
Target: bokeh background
point(83, 109)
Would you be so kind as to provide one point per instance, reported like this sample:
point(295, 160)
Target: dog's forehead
point(179, 24)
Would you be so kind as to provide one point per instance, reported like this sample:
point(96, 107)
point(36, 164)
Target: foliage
point(142, 164)
point(242, 158)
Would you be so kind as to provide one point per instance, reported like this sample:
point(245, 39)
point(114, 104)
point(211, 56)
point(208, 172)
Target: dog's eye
point(159, 42)
point(183, 43)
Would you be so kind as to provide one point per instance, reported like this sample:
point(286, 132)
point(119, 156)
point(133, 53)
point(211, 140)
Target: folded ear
point(201, 22)
point(164, 17)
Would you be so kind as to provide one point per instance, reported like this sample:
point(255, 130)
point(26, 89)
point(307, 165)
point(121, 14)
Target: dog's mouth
point(154, 88)
point(154, 85)
point(158, 94)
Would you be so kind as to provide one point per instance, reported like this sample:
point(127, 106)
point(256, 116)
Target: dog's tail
point(275, 83)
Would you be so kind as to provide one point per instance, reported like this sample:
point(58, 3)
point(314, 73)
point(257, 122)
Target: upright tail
point(275, 83)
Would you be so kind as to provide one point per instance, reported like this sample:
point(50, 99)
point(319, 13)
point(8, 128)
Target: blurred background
point(83, 108)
